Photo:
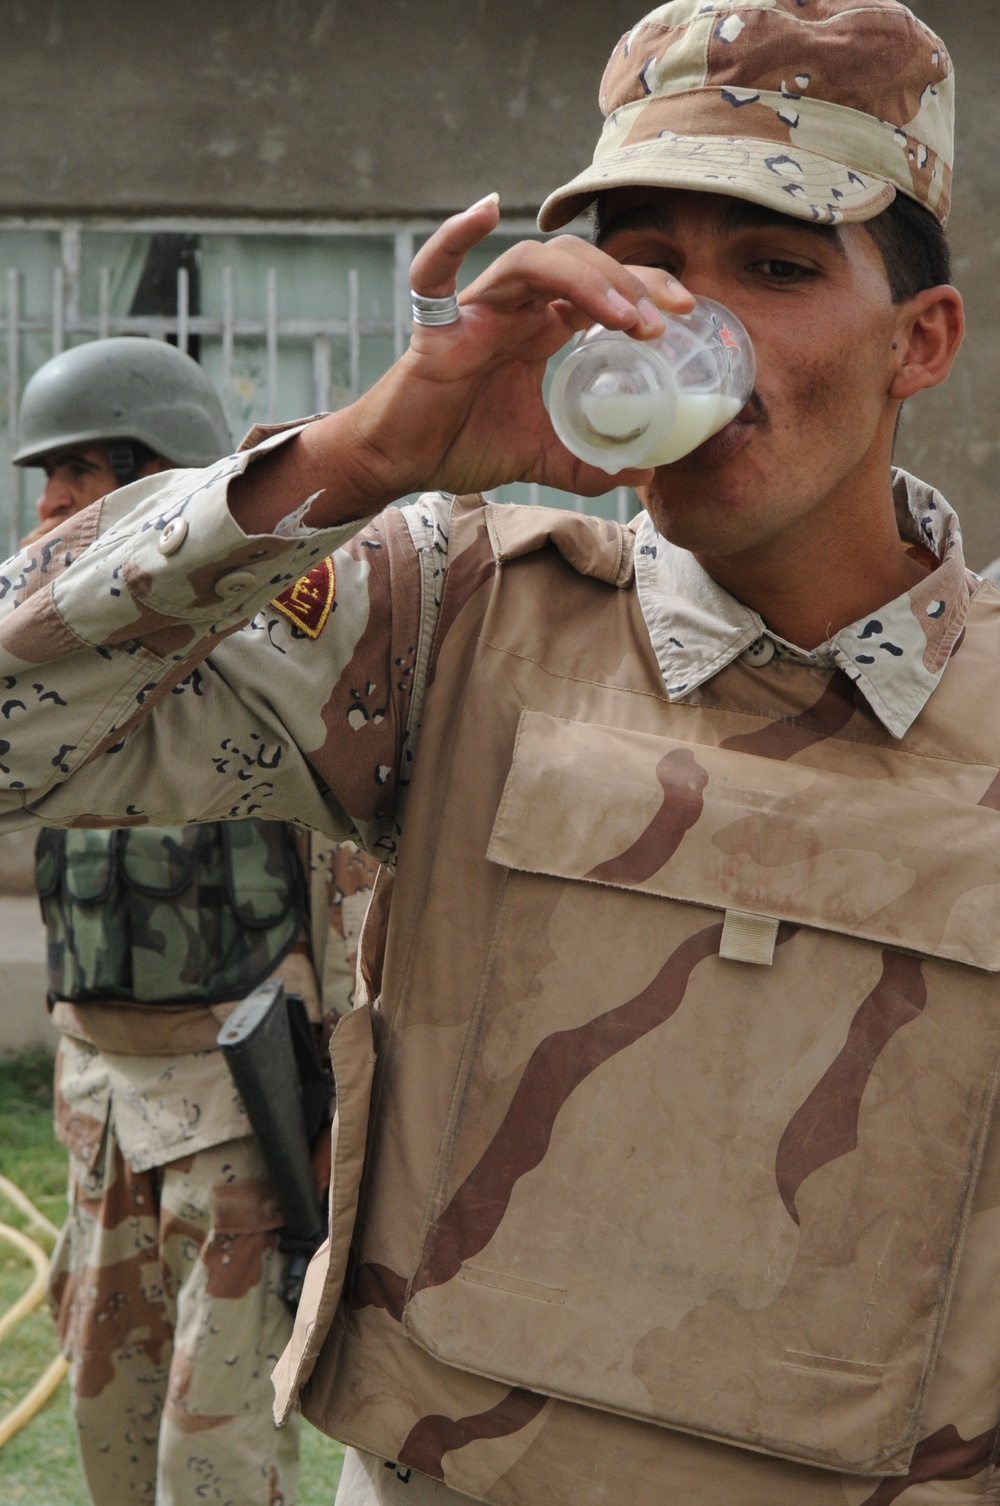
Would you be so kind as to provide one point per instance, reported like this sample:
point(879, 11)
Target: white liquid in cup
point(698, 416)
point(616, 416)
point(617, 402)
point(619, 415)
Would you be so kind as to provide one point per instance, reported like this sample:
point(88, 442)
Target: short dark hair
point(913, 246)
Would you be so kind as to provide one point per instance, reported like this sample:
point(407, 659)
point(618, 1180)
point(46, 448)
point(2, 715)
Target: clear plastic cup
point(617, 402)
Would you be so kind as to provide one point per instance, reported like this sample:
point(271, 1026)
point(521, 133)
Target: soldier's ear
point(928, 332)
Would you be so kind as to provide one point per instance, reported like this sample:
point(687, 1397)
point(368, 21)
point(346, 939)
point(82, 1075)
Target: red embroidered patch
point(308, 602)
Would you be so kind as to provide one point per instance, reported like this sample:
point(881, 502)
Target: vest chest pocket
point(718, 1195)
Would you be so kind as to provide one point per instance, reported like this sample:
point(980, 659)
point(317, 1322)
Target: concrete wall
point(952, 436)
point(24, 1019)
point(385, 107)
point(329, 107)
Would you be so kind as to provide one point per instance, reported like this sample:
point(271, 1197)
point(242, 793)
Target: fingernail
point(619, 304)
point(650, 314)
point(491, 198)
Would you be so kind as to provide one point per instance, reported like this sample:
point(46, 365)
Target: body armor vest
point(676, 1178)
point(168, 914)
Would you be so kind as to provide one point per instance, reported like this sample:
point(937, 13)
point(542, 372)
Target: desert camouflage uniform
point(167, 1297)
point(709, 1216)
point(165, 1284)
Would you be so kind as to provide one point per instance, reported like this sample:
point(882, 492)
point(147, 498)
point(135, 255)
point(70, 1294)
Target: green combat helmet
point(127, 388)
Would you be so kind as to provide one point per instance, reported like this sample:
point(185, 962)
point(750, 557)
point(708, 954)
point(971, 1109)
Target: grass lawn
point(38, 1467)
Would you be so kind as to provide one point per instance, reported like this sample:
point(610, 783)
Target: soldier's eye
point(779, 270)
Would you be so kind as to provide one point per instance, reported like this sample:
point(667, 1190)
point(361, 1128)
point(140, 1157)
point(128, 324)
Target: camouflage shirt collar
point(895, 656)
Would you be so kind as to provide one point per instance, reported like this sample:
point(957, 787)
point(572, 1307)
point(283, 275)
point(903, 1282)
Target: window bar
point(272, 343)
point(58, 311)
point(70, 256)
point(183, 308)
point(354, 331)
point(13, 403)
point(321, 373)
point(104, 303)
point(401, 302)
point(227, 343)
point(623, 503)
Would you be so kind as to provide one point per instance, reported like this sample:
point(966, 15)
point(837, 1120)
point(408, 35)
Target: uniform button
point(236, 583)
point(173, 536)
point(761, 651)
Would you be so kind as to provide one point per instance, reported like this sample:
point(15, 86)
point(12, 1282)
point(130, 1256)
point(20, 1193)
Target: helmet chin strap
point(121, 459)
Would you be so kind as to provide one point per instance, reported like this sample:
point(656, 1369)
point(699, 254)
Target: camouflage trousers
point(164, 1291)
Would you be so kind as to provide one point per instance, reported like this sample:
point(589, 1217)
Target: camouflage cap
point(821, 109)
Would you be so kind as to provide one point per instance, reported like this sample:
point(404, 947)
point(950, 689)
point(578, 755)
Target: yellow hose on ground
point(20, 1199)
point(34, 1401)
point(30, 1299)
point(47, 1383)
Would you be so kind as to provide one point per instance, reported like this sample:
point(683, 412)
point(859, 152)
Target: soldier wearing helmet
point(166, 1282)
point(106, 413)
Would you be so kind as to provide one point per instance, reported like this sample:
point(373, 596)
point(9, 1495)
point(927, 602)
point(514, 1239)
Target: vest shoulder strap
point(592, 546)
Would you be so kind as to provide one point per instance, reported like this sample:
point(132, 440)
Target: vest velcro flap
point(87, 862)
point(723, 1198)
point(915, 868)
point(159, 860)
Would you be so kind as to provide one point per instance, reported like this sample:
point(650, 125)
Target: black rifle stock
point(263, 1050)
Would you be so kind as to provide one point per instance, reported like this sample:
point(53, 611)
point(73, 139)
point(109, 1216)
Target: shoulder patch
point(308, 601)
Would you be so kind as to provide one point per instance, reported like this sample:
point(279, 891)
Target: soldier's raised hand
point(462, 410)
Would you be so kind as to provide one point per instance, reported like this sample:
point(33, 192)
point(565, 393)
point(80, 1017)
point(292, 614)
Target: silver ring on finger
point(434, 310)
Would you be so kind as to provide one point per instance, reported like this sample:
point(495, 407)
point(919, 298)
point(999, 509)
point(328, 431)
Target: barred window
point(286, 319)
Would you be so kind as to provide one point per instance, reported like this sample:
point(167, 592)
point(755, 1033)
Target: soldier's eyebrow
point(738, 214)
point(69, 457)
point(741, 214)
point(649, 216)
